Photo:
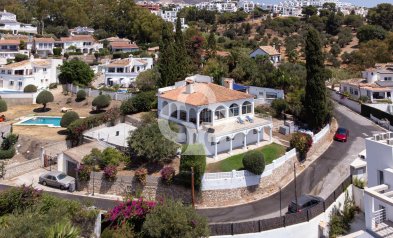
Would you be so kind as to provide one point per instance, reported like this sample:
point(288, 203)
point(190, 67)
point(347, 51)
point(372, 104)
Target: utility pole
point(280, 201)
point(294, 173)
point(192, 188)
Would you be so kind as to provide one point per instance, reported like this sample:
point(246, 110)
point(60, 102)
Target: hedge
point(141, 102)
point(192, 156)
point(7, 154)
point(254, 162)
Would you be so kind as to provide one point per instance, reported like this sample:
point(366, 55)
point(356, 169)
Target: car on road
point(341, 134)
point(304, 202)
point(56, 179)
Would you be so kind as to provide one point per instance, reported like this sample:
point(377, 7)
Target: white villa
point(378, 195)
point(220, 6)
point(171, 16)
point(79, 43)
point(218, 117)
point(270, 51)
point(8, 22)
point(43, 46)
point(377, 83)
point(39, 72)
point(124, 71)
point(9, 48)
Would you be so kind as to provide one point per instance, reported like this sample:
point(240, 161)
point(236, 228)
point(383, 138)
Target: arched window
point(173, 110)
point(219, 113)
point(192, 116)
point(205, 115)
point(234, 110)
point(247, 107)
point(165, 108)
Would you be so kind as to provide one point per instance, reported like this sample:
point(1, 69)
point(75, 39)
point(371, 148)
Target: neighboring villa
point(39, 72)
point(171, 16)
point(8, 50)
point(378, 195)
point(219, 6)
point(43, 46)
point(247, 6)
point(218, 117)
point(81, 30)
point(123, 72)
point(123, 46)
point(269, 51)
point(79, 43)
point(376, 84)
point(8, 22)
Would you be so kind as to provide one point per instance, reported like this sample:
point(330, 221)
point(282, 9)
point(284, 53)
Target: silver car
point(56, 179)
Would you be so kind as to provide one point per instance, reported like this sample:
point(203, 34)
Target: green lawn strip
point(270, 153)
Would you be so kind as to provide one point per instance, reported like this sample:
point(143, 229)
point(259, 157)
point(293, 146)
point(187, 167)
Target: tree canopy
point(381, 15)
point(44, 97)
point(75, 71)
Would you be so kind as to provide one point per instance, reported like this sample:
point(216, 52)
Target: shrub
point(52, 85)
point(21, 57)
point(110, 172)
point(302, 142)
point(167, 174)
point(192, 156)
point(68, 118)
point(279, 105)
point(18, 198)
point(9, 141)
point(7, 154)
point(84, 173)
point(44, 97)
point(64, 229)
point(340, 220)
point(109, 156)
point(173, 219)
point(81, 95)
point(101, 101)
point(57, 51)
point(3, 105)
point(358, 182)
point(130, 212)
point(141, 102)
point(30, 89)
point(254, 162)
point(123, 231)
point(141, 175)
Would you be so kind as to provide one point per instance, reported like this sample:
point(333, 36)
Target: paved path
point(320, 178)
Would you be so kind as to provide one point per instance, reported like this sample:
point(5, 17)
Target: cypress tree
point(183, 61)
point(316, 111)
point(167, 61)
point(211, 44)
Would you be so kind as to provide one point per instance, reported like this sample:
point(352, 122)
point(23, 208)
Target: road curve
point(320, 178)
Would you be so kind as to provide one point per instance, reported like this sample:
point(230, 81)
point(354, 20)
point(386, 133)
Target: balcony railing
point(378, 217)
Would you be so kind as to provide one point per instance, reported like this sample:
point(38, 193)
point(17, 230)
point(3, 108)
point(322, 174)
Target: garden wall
point(95, 92)
point(14, 99)
point(14, 170)
point(350, 103)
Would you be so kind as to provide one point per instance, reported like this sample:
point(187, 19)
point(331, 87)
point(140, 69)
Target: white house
point(247, 6)
point(218, 117)
point(8, 22)
point(378, 195)
point(171, 16)
point(39, 72)
point(269, 51)
point(123, 46)
point(79, 43)
point(43, 46)
point(220, 6)
point(265, 95)
point(81, 30)
point(9, 48)
point(124, 71)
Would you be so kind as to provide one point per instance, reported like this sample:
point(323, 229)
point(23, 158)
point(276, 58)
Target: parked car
point(56, 179)
point(304, 202)
point(342, 134)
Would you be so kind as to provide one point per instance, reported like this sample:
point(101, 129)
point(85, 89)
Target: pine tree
point(316, 111)
point(183, 61)
point(167, 61)
point(211, 44)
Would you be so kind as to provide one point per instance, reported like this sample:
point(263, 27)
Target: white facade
point(274, 57)
point(124, 71)
point(38, 72)
point(220, 6)
point(247, 6)
point(8, 22)
point(43, 46)
point(82, 43)
point(8, 50)
point(265, 95)
point(171, 16)
point(221, 123)
point(378, 196)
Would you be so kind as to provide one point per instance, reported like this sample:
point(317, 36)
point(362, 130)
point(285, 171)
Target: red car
point(342, 134)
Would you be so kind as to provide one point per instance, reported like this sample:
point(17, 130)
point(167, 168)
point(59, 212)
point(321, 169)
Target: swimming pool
point(41, 121)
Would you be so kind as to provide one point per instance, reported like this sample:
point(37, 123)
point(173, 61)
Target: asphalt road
point(320, 178)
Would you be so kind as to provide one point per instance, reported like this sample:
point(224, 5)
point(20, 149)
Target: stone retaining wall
point(14, 170)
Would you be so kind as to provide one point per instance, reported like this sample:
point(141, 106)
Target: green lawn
point(270, 153)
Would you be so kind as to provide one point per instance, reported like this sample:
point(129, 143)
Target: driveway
point(320, 178)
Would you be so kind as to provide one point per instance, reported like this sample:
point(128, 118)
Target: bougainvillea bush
point(302, 142)
point(84, 173)
point(110, 172)
point(131, 212)
point(167, 174)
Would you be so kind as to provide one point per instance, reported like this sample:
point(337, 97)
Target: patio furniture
point(250, 119)
point(66, 109)
point(240, 120)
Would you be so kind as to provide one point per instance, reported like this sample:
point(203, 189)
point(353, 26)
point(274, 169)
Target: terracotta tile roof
point(123, 44)
point(116, 39)
point(40, 62)
point(362, 83)
point(16, 65)
point(117, 63)
point(44, 40)
point(270, 50)
point(9, 42)
point(77, 38)
point(204, 94)
point(155, 48)
point(16, 37)
point(77, 153)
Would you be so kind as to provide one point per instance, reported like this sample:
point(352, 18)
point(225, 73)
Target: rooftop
point(384, 138)
point(204, 94)
point(9, 42)
point(44, 40)
point(269, 50)
point(16, 65)
point(123, 44)
point(77, 38)
point(77, 153)
point(114, 135)
point(362, 83)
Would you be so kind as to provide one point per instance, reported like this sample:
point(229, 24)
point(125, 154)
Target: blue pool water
point(52, 121)
point(5, 91)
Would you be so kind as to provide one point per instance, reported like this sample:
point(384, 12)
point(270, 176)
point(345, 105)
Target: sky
point(366, 3)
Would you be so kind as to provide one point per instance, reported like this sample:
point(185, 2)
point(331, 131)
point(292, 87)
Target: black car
point(304, 202)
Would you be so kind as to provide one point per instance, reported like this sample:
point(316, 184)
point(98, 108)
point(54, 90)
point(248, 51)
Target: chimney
point(228, 83)
point(189, 86)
